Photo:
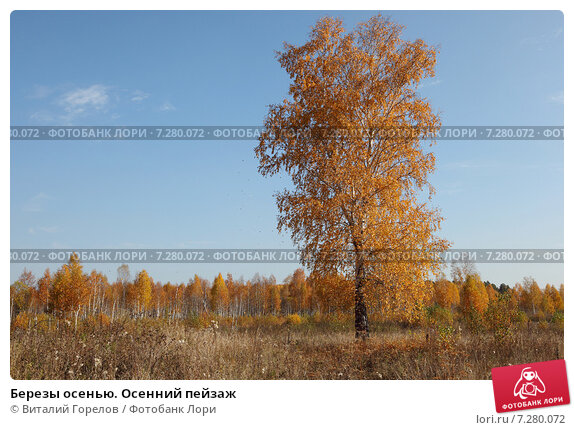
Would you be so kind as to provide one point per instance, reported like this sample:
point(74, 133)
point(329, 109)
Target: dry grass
point(149, 350)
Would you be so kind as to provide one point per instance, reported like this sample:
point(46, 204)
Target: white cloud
point(139, 96)
point(68, 104)
point(167, 106)
point(82, 100)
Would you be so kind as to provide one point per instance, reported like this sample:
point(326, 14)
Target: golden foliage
point(355, 194)
point(473, 295)
point(70, 289)
point(139, 292)
point(294, 319)
point(446, 294)
point(219, 294)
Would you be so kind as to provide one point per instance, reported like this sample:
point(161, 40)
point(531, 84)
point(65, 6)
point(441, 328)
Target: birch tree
point(353, 138)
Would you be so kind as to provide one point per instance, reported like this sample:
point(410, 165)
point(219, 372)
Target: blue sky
point(219, 68)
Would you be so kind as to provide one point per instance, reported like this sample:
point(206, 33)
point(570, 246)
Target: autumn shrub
point(294, 319)
point(342, 317)
point(501, 317)
point(21, 321)
point(269, 321)
point(245, 321)
point(225, 321)
point(339, 320)
point(100, 320)
point(103, 320)
point(316, 318)
point(89, 323)
point(260, 321)
point(442, 332)
point(557, 320)
point(540, 316)
point(474, 321)
point(29, 321)
point(445, 337)
point(43, 322)
point(439, 316)
point(521, 319)
point(203, 320)
point(376, 317)
point(192, 321)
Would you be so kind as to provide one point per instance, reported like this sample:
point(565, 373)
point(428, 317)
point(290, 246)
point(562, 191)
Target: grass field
point(153, 350)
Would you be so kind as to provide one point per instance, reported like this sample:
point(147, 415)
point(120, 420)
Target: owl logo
point(529, 384)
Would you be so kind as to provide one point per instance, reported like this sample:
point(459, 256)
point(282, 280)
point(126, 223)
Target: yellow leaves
point(294, 319)
point(70, 287)
point(446, 294)
point(473, 295)
point(356, 190)
point(551, 300)
point(140, 291)
point(219, 294)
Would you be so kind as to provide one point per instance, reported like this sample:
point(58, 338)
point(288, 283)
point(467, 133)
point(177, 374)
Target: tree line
point(72, 294)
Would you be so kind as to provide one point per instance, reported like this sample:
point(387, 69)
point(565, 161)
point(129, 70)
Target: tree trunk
point(361, 320)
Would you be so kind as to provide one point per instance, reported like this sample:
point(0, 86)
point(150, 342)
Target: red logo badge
point(529, 386)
